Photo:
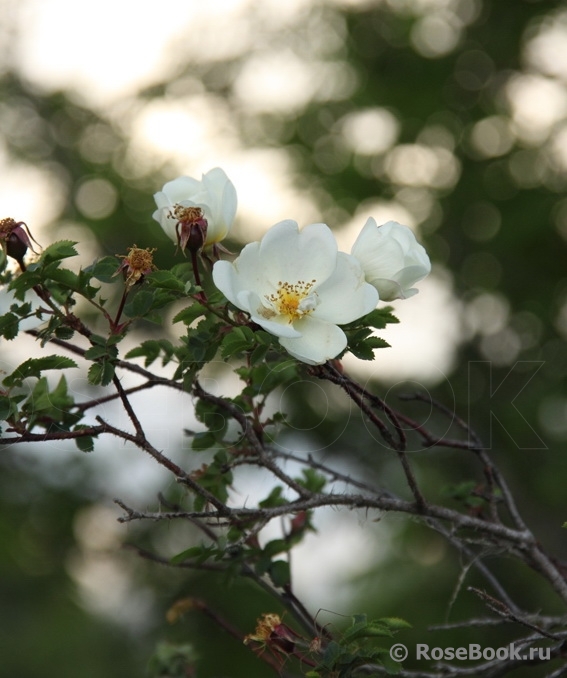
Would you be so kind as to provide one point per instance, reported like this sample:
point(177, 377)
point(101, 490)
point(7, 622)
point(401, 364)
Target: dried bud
point(16, 239)
point(191, 228)
point(137, 263)
point(272, 632)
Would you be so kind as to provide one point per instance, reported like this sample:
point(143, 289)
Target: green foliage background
point(499, 232)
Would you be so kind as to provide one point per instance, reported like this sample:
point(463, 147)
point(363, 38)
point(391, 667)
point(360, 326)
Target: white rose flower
point(210, 204)
point(297, 286)
point(391, 258)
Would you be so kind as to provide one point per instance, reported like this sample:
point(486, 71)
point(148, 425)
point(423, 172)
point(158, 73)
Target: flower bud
point(16, 239)
point(191, 228)
point(391, 258)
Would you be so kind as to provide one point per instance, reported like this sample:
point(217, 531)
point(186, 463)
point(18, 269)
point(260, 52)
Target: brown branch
point(91, 431)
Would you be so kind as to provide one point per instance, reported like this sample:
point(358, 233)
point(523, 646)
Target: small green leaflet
point(35, 366)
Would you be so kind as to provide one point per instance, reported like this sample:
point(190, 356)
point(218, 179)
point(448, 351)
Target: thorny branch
point(473, 536)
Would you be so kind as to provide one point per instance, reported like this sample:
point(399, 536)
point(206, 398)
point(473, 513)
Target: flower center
point(137, 263)
point(6, 227)
point(293, 300)
point(186, 215)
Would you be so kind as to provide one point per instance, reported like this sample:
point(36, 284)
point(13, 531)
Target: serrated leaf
point(9, 325)
point(394, 623)
point(371, 629)
point(64, 332)
point(364, 349)
point(380, 317)
point(274, 498)
point(149, 350)
point(101, 373)
point(258, 355)
point(62, 249)
point(94, 375)
point(35, 366)
point(85, 443)
point(98, 339)
point(65, 277)
point(139, 304)
point(95, 352)
point(105, 269)
point(107, 373)
point(8, 408)
point(312, 481)
point(203, 441)
point(166, 280)
point(190, 314)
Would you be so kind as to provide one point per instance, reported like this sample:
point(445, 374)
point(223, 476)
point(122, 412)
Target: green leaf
point(364, 348)
point(166, 280)
point(61, 249)
point(107, 373)
point(312, 481)
point(63, 332)
point(139, 303)
point(275, 546)
point(212, 417)
point(84, 443)
point(65, 277)
point(332, 653)
point(274, 498)
point(8, 408)
point(105, 269)
point(203, 441)
point(95, 352)
point(101, 373)
point(147, 349)
point(25, 282)
point(280, 573)
point(239, 339)
point(190, 314)
point(364, 629)
point(379, 318)
point(35, 366)
point(9, 325)
point(56, 401)
point(394, 623)
point(392, 667)
point(94, 374)
point(258, 355)
point(198, 553)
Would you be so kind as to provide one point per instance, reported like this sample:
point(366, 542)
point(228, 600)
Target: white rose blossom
point(297, 286)
point(210, 204)
point(391, 258)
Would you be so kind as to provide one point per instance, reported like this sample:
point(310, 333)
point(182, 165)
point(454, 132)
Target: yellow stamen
point(137, 263)
point(287, 300)
point(7, 225)
point(187, 215)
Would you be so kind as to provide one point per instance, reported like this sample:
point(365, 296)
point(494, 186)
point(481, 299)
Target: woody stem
point(195, 263)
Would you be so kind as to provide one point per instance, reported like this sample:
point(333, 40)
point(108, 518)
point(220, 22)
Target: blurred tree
point(451, 113)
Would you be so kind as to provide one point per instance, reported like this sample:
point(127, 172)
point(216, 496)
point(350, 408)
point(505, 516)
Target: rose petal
point(319, 341)
point(346, 295)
